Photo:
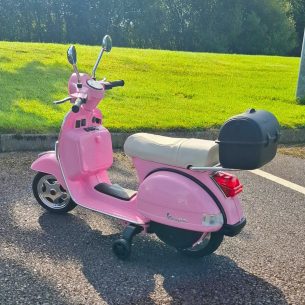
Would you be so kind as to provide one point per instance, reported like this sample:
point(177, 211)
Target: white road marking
point(281, 181)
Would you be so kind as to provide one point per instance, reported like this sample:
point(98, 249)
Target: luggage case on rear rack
point(249, 140)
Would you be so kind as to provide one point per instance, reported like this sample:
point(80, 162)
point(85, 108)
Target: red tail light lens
point(229, 184)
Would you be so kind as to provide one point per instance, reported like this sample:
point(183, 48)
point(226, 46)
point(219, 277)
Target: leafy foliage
point(296, 12)
point(239, 26)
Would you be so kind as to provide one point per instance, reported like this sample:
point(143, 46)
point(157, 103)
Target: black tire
point(210, 246)
point(67, 205)
point(175, 237)
point(122, 249)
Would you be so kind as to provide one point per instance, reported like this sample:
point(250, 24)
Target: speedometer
point(94, 84)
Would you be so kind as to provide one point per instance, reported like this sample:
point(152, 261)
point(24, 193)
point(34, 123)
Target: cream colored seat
point(172, 151)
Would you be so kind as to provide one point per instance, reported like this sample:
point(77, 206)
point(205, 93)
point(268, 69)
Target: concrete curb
point(41, 142)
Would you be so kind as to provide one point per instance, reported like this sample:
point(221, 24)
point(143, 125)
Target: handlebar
point(81, 101)
point(77, 104)
point(66, 99)
point(116, 83)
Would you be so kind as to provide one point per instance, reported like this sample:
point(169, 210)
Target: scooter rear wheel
point(206, 245)
point(51, 195)
point(188, 243)
point(175, 237)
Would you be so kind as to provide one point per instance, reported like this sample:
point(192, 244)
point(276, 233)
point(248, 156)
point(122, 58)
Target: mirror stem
point(97, 63)
point(77, 73)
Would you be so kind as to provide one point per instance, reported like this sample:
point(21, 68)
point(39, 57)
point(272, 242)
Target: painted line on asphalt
point(280, 181)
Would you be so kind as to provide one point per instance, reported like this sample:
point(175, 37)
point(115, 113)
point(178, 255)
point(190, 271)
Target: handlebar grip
point(77, 104)
point(116, 83)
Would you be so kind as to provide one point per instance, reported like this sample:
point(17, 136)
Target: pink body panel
point(84, 156)
point(93, 96)
point(85, 153)
point(172, 199)
point(84, 194)
point(47, 163)
point(231, 206)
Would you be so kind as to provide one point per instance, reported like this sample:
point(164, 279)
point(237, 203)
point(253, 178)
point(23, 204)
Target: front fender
point(47, 163)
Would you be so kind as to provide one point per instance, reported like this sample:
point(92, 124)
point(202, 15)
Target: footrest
point(116, 191)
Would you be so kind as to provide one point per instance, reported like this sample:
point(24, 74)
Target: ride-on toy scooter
point(185, 196)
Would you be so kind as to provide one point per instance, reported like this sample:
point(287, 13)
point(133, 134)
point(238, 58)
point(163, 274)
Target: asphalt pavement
point(51, 259)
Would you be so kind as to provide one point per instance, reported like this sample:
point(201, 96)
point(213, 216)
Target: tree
point(265, 29)
point(239, 26)
point(296, 12)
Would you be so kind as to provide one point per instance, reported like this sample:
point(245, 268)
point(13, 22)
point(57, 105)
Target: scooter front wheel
point(51, 195)
point(206, 245)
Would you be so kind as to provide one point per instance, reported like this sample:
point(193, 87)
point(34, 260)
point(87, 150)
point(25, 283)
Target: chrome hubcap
point(51, 193)
point(201, 243)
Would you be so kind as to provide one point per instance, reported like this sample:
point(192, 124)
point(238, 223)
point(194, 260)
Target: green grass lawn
point(163, 90)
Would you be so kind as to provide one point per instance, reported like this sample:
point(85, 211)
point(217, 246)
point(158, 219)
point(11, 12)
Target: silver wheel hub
point(201, 243)
point(51, 193)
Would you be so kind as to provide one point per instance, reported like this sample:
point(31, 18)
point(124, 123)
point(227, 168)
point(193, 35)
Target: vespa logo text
point(180, 219)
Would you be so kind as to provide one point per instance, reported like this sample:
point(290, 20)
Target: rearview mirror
point(107, 43)
point(106, 47)
point(71, 55)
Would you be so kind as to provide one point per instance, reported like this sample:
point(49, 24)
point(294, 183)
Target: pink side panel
point(85, 152)
point(85, 195)
point(175, 200)
point(48, 164)
point(231, 206)
point(85, 157)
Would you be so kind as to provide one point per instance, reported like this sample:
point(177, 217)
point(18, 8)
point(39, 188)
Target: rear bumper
point(233, 230)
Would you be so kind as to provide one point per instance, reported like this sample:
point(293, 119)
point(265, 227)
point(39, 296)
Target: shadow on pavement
point(13, 288)
point(155, 273)
point(153, 270)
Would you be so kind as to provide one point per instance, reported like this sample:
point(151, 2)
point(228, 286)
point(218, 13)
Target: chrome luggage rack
point(215, 168)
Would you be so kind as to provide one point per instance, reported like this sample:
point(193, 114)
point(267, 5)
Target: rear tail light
point(228, 183)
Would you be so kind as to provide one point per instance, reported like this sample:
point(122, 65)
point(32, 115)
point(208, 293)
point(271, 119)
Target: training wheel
point(121, 249)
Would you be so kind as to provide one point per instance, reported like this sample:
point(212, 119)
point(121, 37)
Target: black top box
point(249, 140)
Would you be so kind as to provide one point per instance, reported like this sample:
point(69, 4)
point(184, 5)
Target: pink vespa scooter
point(184, 197)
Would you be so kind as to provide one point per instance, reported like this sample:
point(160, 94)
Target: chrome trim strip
point(45, 152)
point(212, 169)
